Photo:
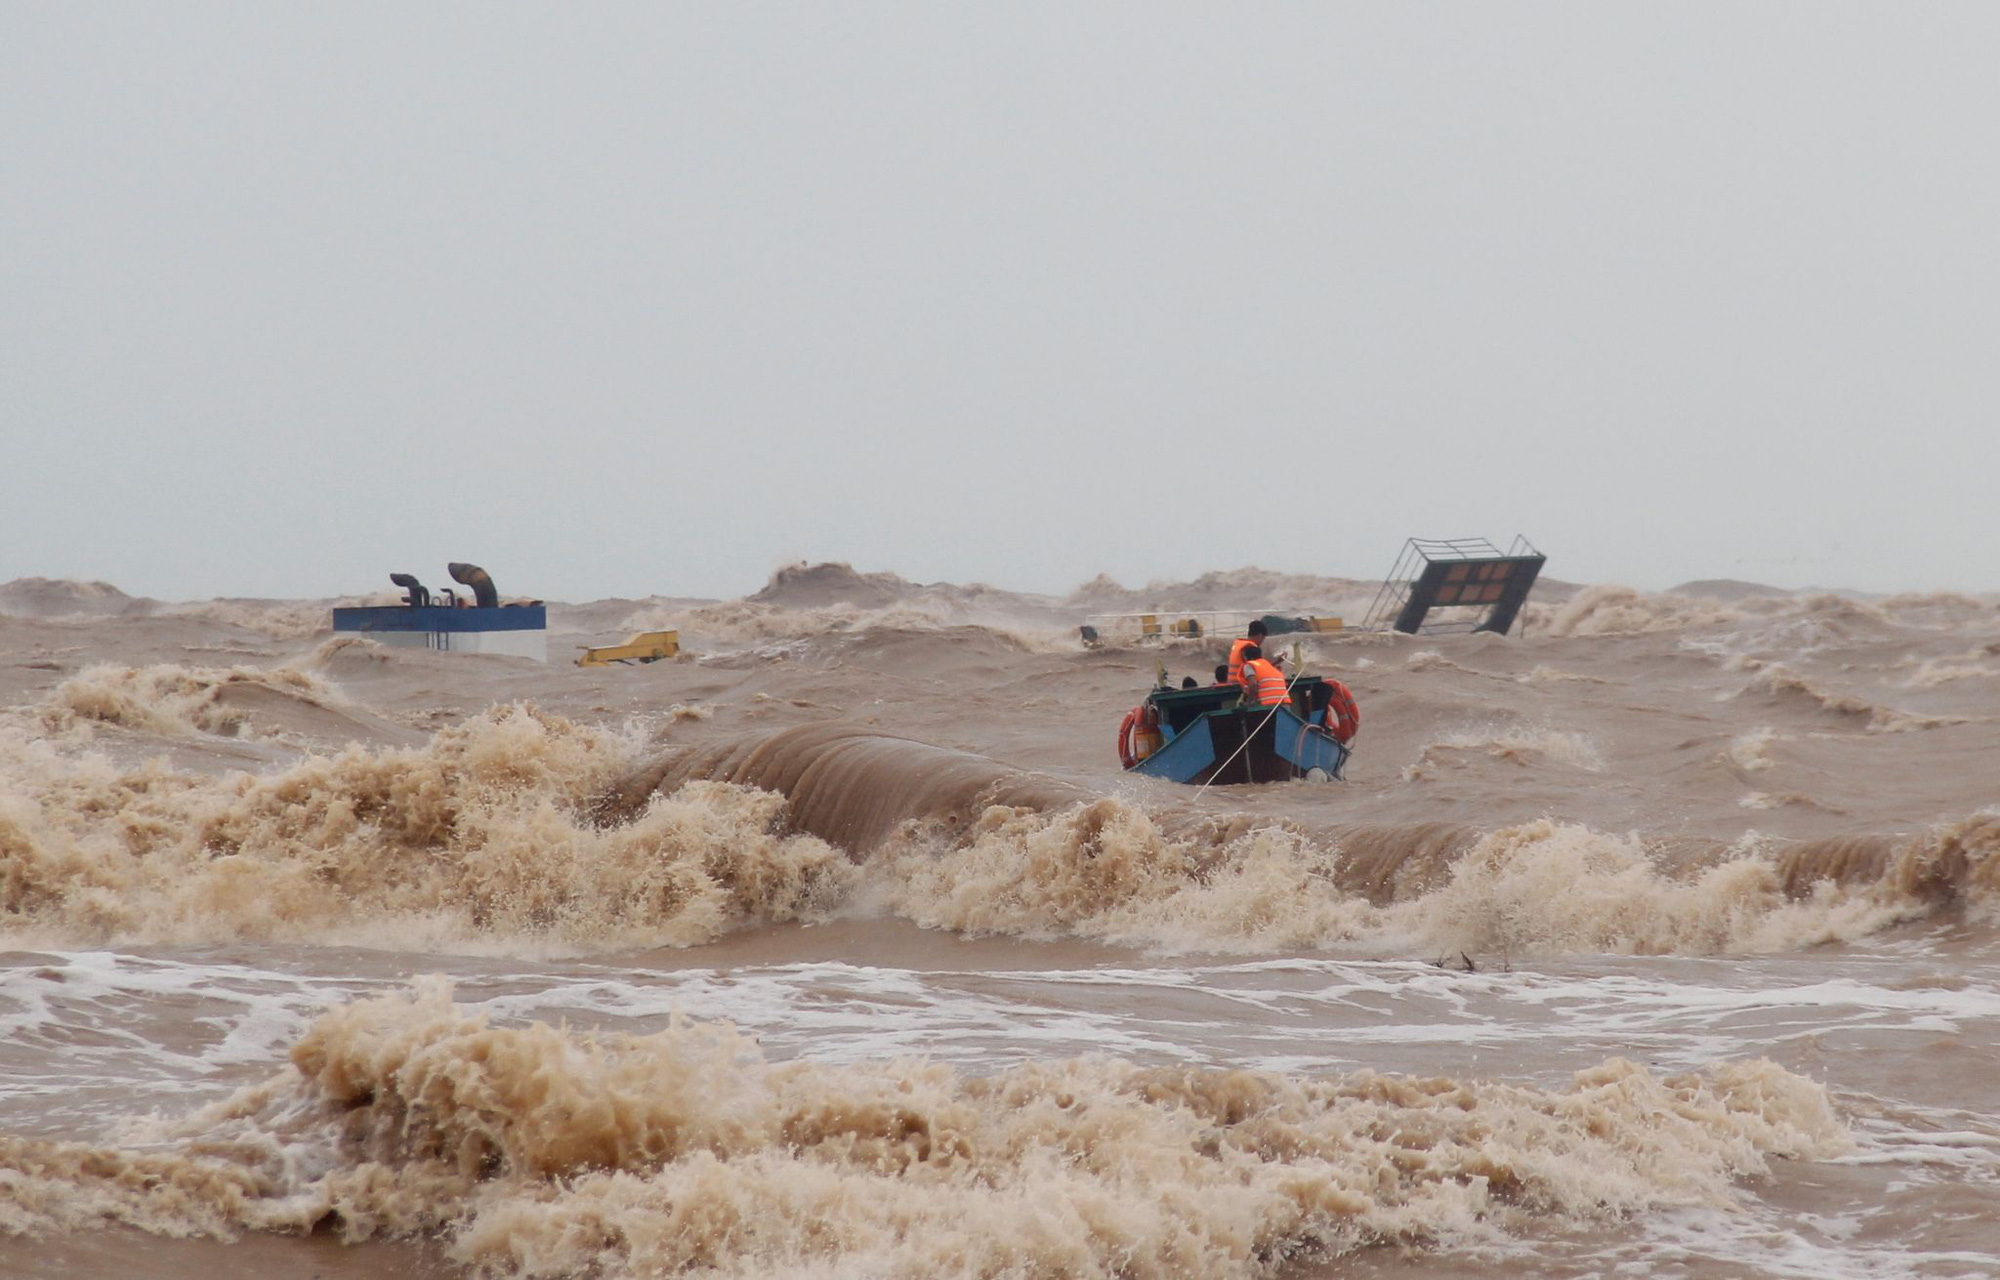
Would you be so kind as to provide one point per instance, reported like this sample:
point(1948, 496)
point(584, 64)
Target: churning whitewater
point(1664, 932)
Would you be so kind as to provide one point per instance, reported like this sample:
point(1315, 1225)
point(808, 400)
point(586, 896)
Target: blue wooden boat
point(1211, 735)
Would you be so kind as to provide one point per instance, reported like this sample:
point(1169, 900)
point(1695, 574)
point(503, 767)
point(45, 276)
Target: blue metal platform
point(403, 617)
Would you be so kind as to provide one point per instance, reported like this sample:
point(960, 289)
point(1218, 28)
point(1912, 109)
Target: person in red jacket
point(1263, 683)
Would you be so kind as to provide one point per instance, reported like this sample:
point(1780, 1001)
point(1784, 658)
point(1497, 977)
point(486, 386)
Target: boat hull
point(1246, 744)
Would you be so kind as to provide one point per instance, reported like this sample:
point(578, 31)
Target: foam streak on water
point(1294, 1019)
point(1251, 1014)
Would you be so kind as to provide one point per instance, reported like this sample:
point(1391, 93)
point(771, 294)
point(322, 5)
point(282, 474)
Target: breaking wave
point(1611, 610)
point(1552, 675)
point(62, 600)
point(536, 1151)
point(519, 830)
point(1431, 660)
point(1969, 665)
point(172, 699)
point(1780, 687)
point(1109, 873)
point(1247, 588)
point(485, 836)
point(956, 841)
point(745, 622)
point(809, 600)
point(1818, 616)
point(1751, 752)
point(66, 598)
point(773, 629)
point(1518, 744)
point(279, 619)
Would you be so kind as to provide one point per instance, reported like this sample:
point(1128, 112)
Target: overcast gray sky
point(631, 299)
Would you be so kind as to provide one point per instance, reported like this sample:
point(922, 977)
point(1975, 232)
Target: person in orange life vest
point(1263, 683)
point(1257, 631)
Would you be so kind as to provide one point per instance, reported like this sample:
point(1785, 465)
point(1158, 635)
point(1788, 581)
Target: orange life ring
point(1343, 718)
point(1125, 727)
point(1142, 720)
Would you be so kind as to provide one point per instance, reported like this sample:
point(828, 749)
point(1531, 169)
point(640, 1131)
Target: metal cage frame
point(1417, 585)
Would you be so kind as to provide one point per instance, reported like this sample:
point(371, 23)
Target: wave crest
point(172, 699)
point(486, 837)
point(543, 1151)
point(523, 831)
point(1782, 687)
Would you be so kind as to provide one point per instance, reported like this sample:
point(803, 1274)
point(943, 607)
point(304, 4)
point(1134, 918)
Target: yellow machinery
point(644, 646)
